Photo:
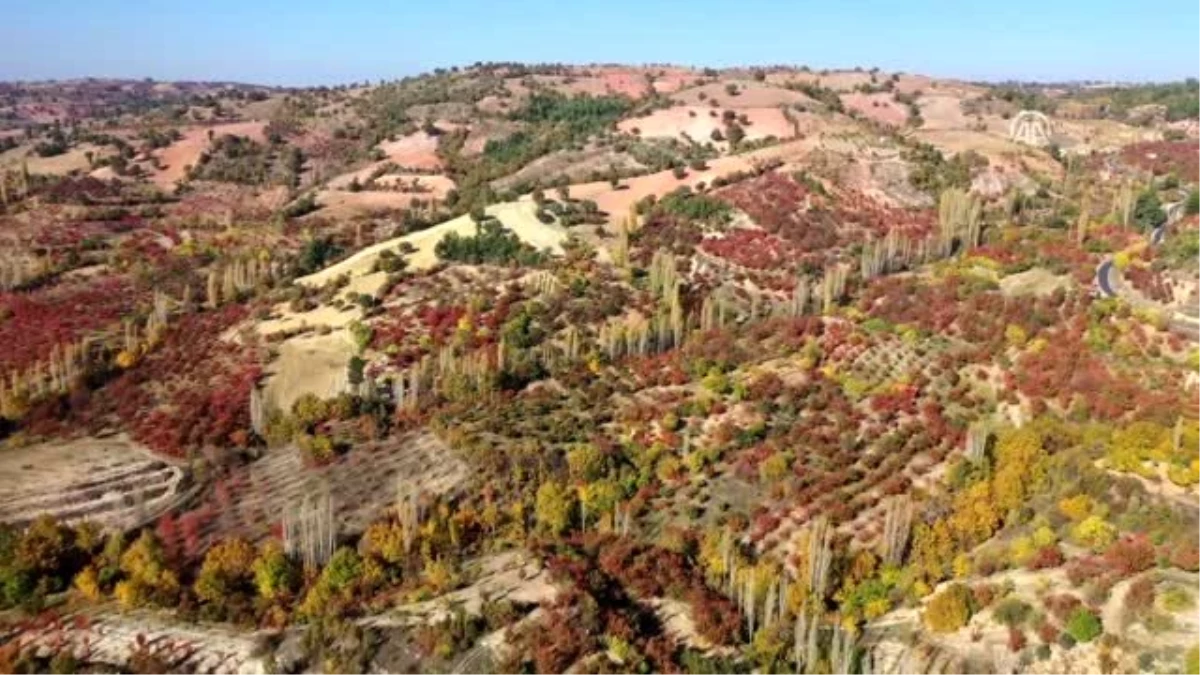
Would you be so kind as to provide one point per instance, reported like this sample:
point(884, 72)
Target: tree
point(1094, 532)
point(44, 547)
point(585, 462)
point(1020, 462)
point(1084, 626)
point(1148, 212)
point(227, 572)
point(87, 583)
point(337, 583)
point(1192, 660)
point(147, 577)
point(949, 610)
point(1191, 206)
point(388, 541)
point(275, 575)
point(553, 508)
point(734, 133)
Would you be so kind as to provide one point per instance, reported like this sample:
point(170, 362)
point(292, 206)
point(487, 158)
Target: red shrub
point(1047, 632)
point(1016, 640)
point(1062, 604)
point(1046, 557)
point(1130, 554)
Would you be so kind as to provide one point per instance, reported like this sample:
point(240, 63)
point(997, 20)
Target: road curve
point(1156, 236)
point(1103, 280)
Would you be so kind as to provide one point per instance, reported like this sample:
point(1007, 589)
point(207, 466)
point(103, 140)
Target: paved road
point(1103, 279)
point(1104, 272)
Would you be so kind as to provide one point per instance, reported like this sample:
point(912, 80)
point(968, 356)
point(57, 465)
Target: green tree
point(275, 575)
point(1191, 206)
point(1148, 212)
point(1084, 626)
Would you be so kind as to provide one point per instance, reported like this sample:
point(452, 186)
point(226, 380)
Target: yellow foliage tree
point(87, 583)
point(228, 569)
point(275, 574)
point(1014, 335)
point(949, 610)
point(1020, 467)
point(1137, 443)
point(1095, 533)
point(385, 540)
point(975, 517)
point(1076, 508)
point(553, 507)
point(933, 549)
point(147, 578)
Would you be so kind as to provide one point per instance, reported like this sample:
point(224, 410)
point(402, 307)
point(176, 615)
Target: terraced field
point(361, 485)
point(110, 481)
point(118, 639)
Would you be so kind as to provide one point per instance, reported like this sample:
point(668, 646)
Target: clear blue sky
point(299, 42)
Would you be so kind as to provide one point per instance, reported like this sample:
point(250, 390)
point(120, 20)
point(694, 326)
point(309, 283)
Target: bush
point(1011, 612)
point(1094, 533)
point(1130, 555)
point(1147, 211)
point(949, 610)
point(1016, 640)
point(1084, 626)
point(1192, 661)
point(1045, 558)
point(1192, 205)
point(1140, 597)
point(1178, 599)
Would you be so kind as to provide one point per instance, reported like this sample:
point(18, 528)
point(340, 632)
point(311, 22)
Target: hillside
point(544, 368)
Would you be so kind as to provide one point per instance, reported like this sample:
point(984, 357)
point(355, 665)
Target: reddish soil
point(388, 196)
point(415, 151)
point(617, 202)
point(1164, 157)
point(750, 94)
point(880, 107)
point(184, 152)
point(698, 123)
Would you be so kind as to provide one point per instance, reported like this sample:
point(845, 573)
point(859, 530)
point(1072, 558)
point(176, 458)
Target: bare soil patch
point(880, 108)
point(751, 94)
point(185, 152)
point(698, 123)
point(309, 364)
point(416, 151)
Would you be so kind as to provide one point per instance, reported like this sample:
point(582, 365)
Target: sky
point(313, 42)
